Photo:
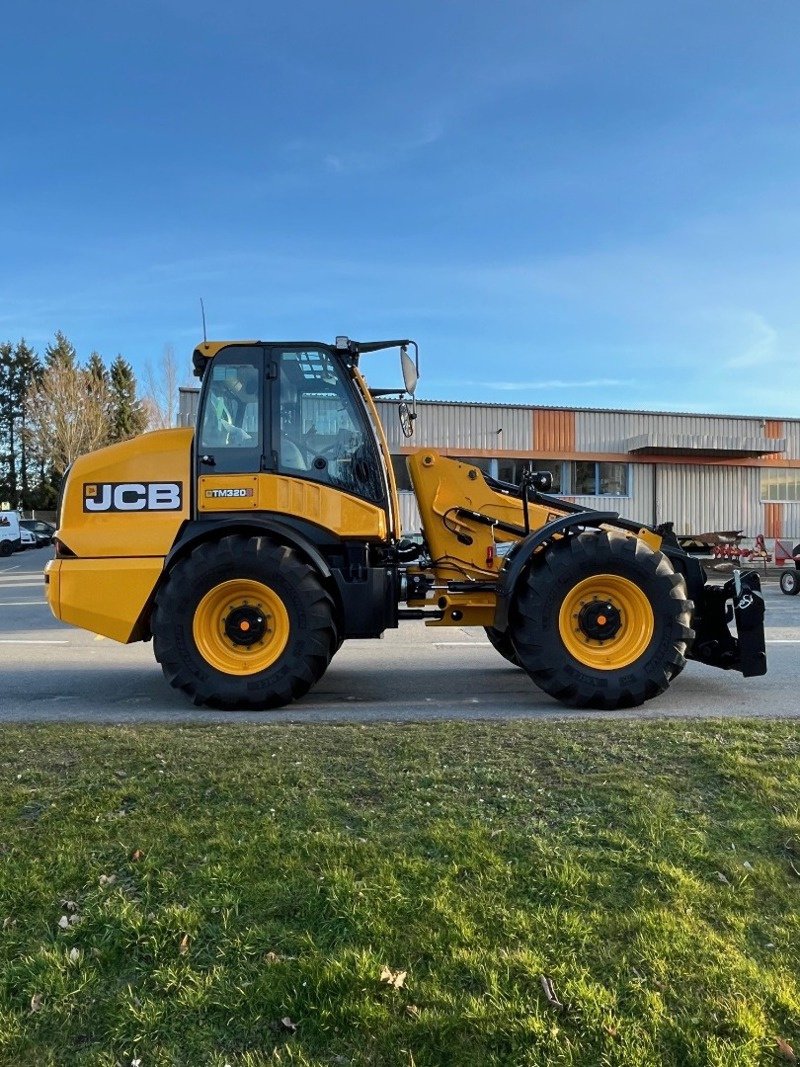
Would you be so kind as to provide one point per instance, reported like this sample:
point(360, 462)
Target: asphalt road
point(54, 672)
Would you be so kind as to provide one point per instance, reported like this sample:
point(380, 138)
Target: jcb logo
point(132, 496)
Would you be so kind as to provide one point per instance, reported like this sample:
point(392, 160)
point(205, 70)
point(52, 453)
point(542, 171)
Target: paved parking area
point(54, 672)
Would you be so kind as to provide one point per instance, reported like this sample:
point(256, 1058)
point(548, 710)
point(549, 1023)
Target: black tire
point(502, 642)
point(6, 548)
point(192, 635)
point(790, 583)
point(561, 647)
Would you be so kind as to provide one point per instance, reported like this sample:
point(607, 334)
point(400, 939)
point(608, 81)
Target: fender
point(519, 557)
point(369, 603)
point(193, 533)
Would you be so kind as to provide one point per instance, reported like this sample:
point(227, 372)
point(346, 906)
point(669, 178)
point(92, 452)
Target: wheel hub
point(246, 625)
point(599, 620)
point(606, 622)
point(241, 626)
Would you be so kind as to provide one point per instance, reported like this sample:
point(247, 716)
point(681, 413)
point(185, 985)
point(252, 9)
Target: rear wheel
point(790, 583)
point(502, 642)
point(243, 622)
point(602, 622)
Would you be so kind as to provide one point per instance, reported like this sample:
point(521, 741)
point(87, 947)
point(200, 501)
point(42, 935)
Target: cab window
point(231, 415)
point(323, 431)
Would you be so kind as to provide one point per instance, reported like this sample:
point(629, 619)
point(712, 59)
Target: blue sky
point(573, 202)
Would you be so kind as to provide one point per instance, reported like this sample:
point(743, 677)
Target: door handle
point(208, 460)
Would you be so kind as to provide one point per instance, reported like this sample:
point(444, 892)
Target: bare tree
point(160, 400)
point(67, 412)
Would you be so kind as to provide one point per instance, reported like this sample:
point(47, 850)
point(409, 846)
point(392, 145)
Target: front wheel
point(501, 642)
point(790, 583)
point(602, 621)
point(243, 622)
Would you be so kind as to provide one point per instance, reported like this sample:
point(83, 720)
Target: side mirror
point(406, 419)
point(410, 373)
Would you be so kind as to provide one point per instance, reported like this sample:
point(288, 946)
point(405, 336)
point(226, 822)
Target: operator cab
point(291, 409)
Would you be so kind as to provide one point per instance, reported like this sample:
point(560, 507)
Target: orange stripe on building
point(773, 428)
point(553, 430)
point(773, 519)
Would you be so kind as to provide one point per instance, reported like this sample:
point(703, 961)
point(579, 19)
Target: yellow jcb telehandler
point(250, 547)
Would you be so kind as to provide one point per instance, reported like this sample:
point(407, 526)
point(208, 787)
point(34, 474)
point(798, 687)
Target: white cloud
point(384, 152)
point(762, 346)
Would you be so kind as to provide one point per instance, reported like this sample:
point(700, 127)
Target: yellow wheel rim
point(606, 622)
point(241, 627)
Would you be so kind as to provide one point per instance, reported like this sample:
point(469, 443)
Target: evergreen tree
point(128, 417)
point(96, 369)
point(29, 371)
point(20, 368)
point(61, 352)
point(6, 422)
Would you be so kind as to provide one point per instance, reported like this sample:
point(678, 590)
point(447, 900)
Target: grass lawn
point(577, 893)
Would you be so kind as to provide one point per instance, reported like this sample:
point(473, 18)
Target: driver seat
point(290, 454)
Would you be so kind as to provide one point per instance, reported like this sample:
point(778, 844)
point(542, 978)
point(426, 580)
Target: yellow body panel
point(342, 514)
point(142, 517)
point(106, 596)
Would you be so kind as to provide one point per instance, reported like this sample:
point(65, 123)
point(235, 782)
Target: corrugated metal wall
point(790, 521)
point(773, 520)
point(702, 498)
point(553, 430)
point(461, 427)
point(187, 406)
point(607, 431)
point(409, 514)
point(791, 431)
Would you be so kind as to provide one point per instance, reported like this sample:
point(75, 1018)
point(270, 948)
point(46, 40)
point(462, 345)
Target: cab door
point(233, 437)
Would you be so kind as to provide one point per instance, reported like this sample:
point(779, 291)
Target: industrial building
point(701, 472)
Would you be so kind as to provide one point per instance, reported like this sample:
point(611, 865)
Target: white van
point(10, 537)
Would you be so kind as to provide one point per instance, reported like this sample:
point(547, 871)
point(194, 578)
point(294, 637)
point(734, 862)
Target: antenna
point(203, 313)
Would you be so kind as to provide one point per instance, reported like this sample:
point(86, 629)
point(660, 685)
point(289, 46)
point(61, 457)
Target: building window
point(780, 485)
point(511, 470)
point(599, 479)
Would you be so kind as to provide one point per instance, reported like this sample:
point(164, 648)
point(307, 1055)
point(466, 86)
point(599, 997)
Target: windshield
point(323, 429)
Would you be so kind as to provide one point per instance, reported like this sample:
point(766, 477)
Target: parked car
point(9, 533)
point(27, 538)
point(42, 531)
